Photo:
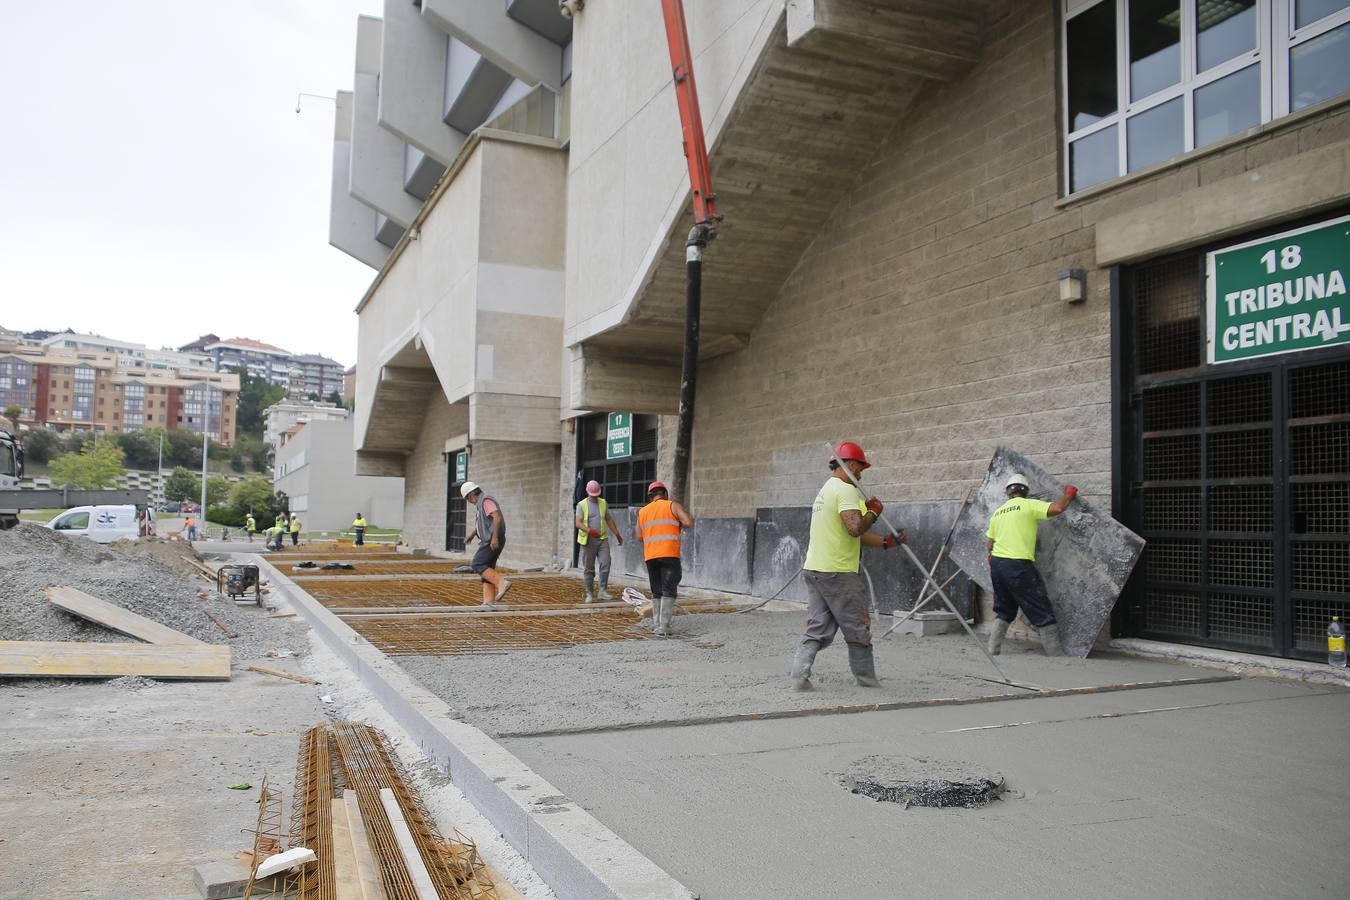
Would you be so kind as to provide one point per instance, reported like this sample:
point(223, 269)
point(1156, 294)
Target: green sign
point(1279, 294)
point(461, 467)
point(619, 442)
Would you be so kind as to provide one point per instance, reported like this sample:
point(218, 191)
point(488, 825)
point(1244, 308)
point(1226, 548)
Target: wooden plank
point(346, 881)
point(123, 621)
point(505, 890)
point(69, 659)
point(280, 674)
point(368, 870)
point(412, 859)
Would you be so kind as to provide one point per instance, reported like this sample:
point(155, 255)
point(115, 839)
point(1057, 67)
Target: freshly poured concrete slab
point(1084, 555)
point(1166, 792)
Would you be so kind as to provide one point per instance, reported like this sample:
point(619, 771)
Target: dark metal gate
point(1238, 476)
point(455, 505)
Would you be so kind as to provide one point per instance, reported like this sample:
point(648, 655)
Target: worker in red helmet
point(594, 526)
point(837, 598)
point(658, 528)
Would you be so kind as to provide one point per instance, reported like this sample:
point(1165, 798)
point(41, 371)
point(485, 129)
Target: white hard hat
point(467, 488)
point(1015, 479)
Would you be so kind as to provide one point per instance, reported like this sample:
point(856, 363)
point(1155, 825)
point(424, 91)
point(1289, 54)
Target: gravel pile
point(923, 782)
point(33, 558)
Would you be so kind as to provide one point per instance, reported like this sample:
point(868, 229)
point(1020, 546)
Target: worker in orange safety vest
point(658, 527)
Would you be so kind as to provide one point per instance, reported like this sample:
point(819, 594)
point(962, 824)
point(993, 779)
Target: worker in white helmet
point(1012, 563)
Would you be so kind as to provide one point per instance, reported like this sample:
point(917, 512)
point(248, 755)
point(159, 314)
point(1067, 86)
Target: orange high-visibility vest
point(659, 530)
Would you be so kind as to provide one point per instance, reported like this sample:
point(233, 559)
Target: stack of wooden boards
point(166, 653)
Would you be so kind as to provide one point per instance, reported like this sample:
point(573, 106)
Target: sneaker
point(501, 590)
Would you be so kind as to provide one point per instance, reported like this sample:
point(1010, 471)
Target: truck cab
point(11, 470)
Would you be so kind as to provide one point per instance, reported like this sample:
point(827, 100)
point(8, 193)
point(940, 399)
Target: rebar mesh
point(395, 592)
point(412, 635)
point(385, 567)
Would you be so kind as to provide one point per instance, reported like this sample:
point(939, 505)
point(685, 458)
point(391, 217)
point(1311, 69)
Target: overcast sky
point(156, 183)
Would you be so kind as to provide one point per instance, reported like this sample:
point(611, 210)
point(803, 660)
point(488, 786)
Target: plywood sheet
point(109, 615)
point(1085, 555)
point(70, 659)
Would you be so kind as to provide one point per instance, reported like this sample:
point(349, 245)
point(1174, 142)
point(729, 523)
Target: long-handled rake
point(924, 597)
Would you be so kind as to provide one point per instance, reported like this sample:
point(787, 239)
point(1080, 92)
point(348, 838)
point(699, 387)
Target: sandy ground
point(732, 664)
point(1233, 789)
point(108, 792)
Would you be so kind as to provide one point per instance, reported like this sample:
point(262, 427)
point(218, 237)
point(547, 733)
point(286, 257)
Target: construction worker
point(295, 530)
point(594, 525)
point(491, 535)
point(359, 526)
point(251, 526)
point(276, 535)
point(1012, 563)
point(658, 527)
point(837, 597)
point(190, 528)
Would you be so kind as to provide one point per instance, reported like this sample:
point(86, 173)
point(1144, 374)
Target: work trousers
point(837, 601)
point(1018, 585)
point(360, 537)
point(596, 554)
point(295, 538)
point(663, 573)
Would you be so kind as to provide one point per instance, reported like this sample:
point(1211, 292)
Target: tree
point(255, 395)
point(182, 448)
point(96, 466)
point(12, 413)
point(254, 495)
point(182, 485)
point(217, 491)
point(335, 398)
point(312, 397)
point(140, 449)
point(248, 450)
point(40, 445)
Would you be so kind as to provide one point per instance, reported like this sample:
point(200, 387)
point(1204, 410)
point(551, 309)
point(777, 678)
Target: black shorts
point(486, 557)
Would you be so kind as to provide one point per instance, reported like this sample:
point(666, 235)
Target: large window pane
point(1309, 11)
point(1155, 135)
point(1093, 94)
point(1226, 28)
point(1093, 159)
point(1320, 68)
point(1227, 106)
point(1155, 46)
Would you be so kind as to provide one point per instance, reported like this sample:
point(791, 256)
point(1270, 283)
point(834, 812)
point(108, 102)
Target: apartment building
point(315, 469)
point(129, 355)
point(282, 417)
point(312, 375)
point(80, 390)
point(1110, 234)
point(260, 360)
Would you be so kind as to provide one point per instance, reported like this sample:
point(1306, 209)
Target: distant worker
point(295, 530)
point(594, 525)
point(491, 535)
point(658, 527)
point(190, 527)
point(251, 526)
point(275, 536)
point(359, 526)
point(1012, 563)
point(836, 595)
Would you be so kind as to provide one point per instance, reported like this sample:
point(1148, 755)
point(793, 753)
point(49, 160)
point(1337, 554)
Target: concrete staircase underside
point(833, 81)
point(402, 396)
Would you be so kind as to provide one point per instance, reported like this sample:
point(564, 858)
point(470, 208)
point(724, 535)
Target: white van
point(105, 524)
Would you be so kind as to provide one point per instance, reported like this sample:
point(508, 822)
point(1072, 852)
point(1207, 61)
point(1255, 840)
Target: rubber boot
point(656, 614)
point(605, 595)
point(863, 666)
point(590, 588)
point(667, 610)
point(801, 665)
point(1050, 640)
point(996, 636)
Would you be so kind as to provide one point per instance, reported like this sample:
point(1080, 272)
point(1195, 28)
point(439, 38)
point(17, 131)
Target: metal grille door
point(1239, 480)
point(454, 510)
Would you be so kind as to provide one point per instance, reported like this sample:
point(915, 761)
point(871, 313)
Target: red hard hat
point(850, 450)
point(656, 486)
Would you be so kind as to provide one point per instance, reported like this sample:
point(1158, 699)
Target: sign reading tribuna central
point(1279, 294)
point(619, 442)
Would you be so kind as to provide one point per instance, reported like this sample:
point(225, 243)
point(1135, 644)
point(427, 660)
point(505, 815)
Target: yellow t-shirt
point(832, 548)
point(1012, 527)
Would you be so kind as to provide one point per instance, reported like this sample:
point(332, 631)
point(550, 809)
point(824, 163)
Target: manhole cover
point(916, 781)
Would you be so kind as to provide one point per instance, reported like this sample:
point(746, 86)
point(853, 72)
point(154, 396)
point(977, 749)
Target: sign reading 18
point(1290, 258)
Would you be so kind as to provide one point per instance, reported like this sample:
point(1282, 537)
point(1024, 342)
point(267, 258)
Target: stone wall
point(426, 477)
point(524, 479)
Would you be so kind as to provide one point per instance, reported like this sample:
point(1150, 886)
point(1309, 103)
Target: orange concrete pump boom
point(691, 120)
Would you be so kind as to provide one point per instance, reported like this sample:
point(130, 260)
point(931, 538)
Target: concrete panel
point(602, 383)
point(717, 554)
point(420, 172)
point(524, 206)
point(351, 224)
point(1084, 555)
point(387, 231)
point(411, 82)
point(781, 537)
point(511, 417)
point(518, 354)
point(508, 44)
point(473, 87)
point(377, 158)
point(894, 577)
point(1284, 189)
point(542, 16)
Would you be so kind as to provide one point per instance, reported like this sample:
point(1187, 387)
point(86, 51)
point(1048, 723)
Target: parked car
point(172, 506)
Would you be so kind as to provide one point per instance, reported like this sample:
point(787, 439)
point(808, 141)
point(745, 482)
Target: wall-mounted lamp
point(414, 234)
point(1073, 285)
point(300, 96)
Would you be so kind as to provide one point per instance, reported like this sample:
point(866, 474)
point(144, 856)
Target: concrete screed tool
point(937, 588)
point(924, 597)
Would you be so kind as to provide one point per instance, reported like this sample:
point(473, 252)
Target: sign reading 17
point(1291, 257)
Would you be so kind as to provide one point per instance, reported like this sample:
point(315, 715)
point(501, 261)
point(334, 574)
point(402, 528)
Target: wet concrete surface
point(1232, 789)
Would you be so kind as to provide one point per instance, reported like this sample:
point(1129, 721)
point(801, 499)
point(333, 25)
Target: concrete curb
point(1237, 663)
point(571, 850)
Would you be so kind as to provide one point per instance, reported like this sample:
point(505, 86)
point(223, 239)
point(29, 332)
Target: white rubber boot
point(996, 636)
point(801, 665)
point(1050, 640)
point(667, 610)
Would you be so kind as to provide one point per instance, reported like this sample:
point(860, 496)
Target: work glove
point(618, 537)
point(1070, 491)
point(892, 540)
point(991, 559)
point(875, 507)
point(593, 533)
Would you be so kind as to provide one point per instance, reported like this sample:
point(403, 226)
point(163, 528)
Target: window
point(135, 403)
point(1148, 80)
point(82, 406)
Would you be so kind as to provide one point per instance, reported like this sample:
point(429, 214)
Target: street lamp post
point(206, 436)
